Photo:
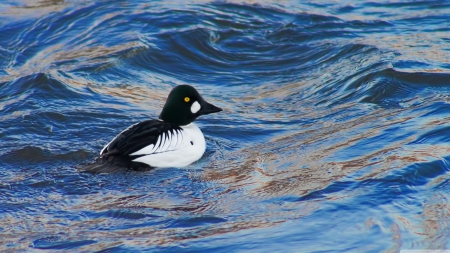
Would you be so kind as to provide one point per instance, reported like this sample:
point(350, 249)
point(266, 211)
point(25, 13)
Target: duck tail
point(104, 165)
point(113, 164)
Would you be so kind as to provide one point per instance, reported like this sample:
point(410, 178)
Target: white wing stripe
point(158, 142)
point(166, 142)
point(163, 142)
point(180, 138)
point(171, 141)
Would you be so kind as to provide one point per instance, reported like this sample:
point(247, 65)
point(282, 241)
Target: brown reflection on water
point(287, 165)
point(436, 217)
point(303, 162)
point(25, 8)
point(242, 188)
point(428, 47)
point(432, 224)
point(139, 95)
point(150, 236)
point(44, 61)
point(24, 227)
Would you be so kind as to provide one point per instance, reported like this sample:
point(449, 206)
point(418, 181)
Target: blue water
point(335, 134)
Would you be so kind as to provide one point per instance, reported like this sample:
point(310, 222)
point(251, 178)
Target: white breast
point(177, 150)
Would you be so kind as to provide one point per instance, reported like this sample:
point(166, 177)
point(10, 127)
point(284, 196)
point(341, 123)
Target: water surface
point(334, 135)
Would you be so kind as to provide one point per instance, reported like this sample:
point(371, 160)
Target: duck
point(172, 140)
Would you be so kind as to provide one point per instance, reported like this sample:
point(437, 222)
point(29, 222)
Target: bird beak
point(208, 108)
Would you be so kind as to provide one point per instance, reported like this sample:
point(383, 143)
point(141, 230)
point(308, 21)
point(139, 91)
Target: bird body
point(171, 141)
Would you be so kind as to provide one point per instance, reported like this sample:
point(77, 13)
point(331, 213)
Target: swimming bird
point(173, 140)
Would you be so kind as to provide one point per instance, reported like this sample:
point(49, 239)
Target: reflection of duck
point(172, 141)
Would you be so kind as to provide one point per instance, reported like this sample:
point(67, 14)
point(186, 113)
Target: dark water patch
point(118, 214)
point(59, 243)
point(41, 86)
point(402, 182)
point(369, 26)
point(425, 172)
point(435, 106)
point(435, 136)
point(196, 221)
point(31, 155)
point(120, 248)
point(389, 87)
point(346, 9)
point(413, 5)
point(436, 21)
point(339, 187)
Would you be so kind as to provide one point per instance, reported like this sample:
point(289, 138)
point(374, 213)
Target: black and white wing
point(144, 138)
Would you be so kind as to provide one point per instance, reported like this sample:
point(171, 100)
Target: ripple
point(335, 123)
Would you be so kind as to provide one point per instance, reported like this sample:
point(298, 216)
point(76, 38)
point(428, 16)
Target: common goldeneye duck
point(173, 140)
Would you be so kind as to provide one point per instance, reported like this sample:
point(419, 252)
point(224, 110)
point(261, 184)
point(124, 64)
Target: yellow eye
point(187, 99)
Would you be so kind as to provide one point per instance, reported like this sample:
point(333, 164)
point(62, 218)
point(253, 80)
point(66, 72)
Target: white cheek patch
point(195, 107)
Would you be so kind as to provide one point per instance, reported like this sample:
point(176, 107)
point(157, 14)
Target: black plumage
point(117, 154)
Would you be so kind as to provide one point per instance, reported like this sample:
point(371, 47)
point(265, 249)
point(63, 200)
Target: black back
point(137, 137)
point(116, 156)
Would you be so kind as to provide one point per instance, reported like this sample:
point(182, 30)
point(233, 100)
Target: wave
point(332, 111)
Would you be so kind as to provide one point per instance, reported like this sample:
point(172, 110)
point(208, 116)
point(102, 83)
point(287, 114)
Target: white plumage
point(174, 150)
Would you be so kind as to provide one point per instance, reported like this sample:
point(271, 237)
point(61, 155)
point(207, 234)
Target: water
point(334, 135)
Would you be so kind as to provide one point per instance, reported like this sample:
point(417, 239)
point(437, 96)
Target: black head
point(184, 104)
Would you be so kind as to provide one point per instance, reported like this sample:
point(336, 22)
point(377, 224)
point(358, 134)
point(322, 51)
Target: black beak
point(208, 108)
